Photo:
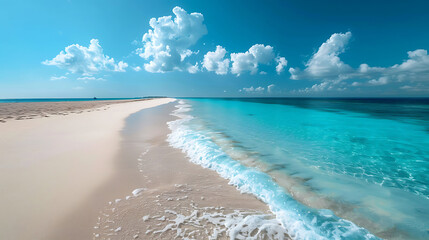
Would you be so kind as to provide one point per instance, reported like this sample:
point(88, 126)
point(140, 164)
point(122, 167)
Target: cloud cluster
point(167, 47)
point(248, 61)
point(252, 90)
point(414, 69)
point(258, 90)
point(167, 44)
point(325, 65)
point(86, 60)
point(216, 62)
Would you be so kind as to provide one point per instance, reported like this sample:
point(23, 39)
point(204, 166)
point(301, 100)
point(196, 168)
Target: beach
point(29, 110)
point(107, 172)
point(214, 169)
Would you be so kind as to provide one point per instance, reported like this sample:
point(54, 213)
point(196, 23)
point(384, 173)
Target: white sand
point(48, 166)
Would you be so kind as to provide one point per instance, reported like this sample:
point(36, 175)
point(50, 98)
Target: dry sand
point(30, 110)
point(49, 166)
point(72, 177)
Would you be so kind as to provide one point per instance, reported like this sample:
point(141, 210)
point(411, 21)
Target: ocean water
point(327, 168)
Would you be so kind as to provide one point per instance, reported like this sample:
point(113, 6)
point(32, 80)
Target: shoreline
point(50, 165)
point(10, 111)
point(134, 185)
point(152, 180)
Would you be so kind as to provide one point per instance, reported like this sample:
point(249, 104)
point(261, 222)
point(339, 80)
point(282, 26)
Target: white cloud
point(137, 69)
point(252, 90)
point(54, 78)
point(120, 67)
point(215, 61)
point(250, 60)
point(193, 68)
point(281, 64)
point(270, 88)
point(380, 81)
point(415, 68)
point(90, 78)
point(187, 53)
point(167, 43)
point(325, 63)
point(86, 60)
point(406, 87)
point(325, 86)
point(319, 87)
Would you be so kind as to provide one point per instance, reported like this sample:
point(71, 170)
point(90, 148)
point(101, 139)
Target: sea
point(327, 168)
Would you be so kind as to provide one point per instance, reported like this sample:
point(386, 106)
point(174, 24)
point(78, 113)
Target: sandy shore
point(49, 166)
point(30, 110)
point(95, 176)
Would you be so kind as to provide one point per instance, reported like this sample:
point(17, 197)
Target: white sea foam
point(299, 221)
point(214, 222)
point(137, 192)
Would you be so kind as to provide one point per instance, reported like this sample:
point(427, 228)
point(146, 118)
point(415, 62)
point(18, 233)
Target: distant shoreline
point(17, 100)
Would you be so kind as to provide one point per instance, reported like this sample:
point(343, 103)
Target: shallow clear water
point(366, 160)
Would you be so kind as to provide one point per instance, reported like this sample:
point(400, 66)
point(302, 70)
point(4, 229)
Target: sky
point(225, 48)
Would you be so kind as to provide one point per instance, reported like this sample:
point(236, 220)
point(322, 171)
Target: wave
point(299, 221)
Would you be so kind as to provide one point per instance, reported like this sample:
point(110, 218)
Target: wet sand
point(166, 181)
point(49, 166)
point(127, 184)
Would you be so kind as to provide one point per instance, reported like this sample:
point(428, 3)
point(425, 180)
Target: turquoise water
point(328, 168)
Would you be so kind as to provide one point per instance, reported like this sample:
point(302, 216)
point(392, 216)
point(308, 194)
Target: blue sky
point(214, 48)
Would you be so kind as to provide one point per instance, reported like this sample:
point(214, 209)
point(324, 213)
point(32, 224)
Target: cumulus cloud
point(380, 81)
point(137, 69)
point(252, 90)
point(167, 44)
point(250, 60)
point(216, 62)
point(415, 68)
point(270, 88)
point(86, 60)
point(281, 64)
point(326, 66)
point(325, 63)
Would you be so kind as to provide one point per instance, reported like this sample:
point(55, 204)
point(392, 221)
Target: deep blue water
point(59, 99)
point(366, 161)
